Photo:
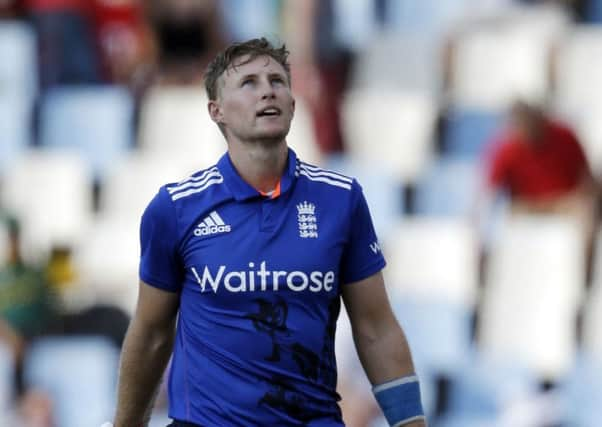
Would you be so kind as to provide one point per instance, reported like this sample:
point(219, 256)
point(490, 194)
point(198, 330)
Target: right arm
point(146, 350)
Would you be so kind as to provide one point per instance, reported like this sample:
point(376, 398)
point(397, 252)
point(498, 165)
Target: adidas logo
point(212, 224)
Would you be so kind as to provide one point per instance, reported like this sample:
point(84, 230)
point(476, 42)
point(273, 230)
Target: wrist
point(399, 399)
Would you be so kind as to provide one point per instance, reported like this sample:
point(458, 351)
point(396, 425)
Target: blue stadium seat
point(582, 394)
point(483, 386)
point(244, 19)
point(426, 322)
point(18, 88)
point(15, 129)
point(79, 374)
point(18, 75)
point(69, 54)
point(97, 121)
point(467, 132)
point(448, 188)
point(383, 192)
point(593, 11)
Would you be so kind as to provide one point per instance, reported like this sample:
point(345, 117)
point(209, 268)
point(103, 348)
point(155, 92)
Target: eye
point(246, 82)
point(278, 80)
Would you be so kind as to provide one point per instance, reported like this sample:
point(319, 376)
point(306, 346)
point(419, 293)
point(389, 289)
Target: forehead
point(242, 66)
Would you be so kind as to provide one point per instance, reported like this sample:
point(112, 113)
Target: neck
point(260, 165)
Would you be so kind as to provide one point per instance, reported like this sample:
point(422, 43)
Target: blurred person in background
point(321, 64)
point(124, 39)
point(10, 9)
point(241, 354)
point(539, 162)
point(27, 310)
point(68, 53)
point(187, 34)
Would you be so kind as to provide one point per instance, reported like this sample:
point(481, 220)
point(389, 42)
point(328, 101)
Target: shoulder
point(325, 179)
point(562, 131)
point(195, 184)
point(176, 196)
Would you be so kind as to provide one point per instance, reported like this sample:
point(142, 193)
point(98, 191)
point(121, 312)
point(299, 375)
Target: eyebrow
point(254, 75)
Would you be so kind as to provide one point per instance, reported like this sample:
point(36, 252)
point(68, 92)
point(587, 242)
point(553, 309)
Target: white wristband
point(107, 425)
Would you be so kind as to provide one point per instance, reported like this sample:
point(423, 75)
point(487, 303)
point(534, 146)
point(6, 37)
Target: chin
point(275, 135)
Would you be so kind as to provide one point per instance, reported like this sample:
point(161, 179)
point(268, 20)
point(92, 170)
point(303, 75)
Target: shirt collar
point(241, 190)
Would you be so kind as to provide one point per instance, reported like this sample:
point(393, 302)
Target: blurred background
point(474, 127)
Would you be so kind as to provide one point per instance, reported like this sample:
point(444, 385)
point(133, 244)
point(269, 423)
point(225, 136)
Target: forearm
point(144, 357)
point(384, 353)
point(385, 357)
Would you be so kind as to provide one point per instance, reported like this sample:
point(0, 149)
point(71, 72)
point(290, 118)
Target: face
point(527, 123)
point(254, 101)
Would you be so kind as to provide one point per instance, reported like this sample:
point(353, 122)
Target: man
point(541, 164)
point(538, 161)
point(247, 260)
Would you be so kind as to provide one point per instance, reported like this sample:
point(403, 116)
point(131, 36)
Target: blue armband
point(399, 400)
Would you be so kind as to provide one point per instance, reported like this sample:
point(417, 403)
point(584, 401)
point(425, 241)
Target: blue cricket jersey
point(259, 280)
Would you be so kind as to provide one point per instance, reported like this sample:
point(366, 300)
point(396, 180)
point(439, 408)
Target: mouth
point(269, 112)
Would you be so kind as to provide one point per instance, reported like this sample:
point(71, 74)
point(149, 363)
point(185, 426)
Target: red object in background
point(127, 13)
point(552, 168)
point(121, 34)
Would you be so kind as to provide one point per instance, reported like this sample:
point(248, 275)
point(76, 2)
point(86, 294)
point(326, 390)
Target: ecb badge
point(308, 226)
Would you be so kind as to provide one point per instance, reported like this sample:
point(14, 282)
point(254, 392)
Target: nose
point(267, 91)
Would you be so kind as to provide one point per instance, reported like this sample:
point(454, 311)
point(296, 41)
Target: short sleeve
point(362, 256)
point(159, 260)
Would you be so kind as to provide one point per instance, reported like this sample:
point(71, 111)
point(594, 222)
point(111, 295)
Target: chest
point(284, 245)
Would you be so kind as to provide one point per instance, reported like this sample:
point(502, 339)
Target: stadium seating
point(247, 19)
point(78, 373)
point(448, 188)
point(107, 262)
point(581, 393)
point(389, 130)
point(383, 193)
point(134, 181)
point(592, 319)
point(589, 131)
point(18, 88)
point(399, 62)
point(592, 332)
point(301, 137)
point(94, 121)
point(484, 390)
point(467, 132)
point(15, 128)
point(174, 121)
point(113, 237)
point(593, 11)
point(535, 277)
point(18, 76)
point(415, 245)
point(432, 275)
point(578, 70)
point(50, 191)
point(494, 66)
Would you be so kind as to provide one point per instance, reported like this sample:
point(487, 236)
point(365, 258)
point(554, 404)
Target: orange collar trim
point(272, 194)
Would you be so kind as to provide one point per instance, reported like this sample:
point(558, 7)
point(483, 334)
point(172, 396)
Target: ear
point(215, 111)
